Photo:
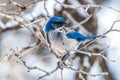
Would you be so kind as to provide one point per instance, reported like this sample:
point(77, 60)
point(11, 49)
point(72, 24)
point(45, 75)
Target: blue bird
point(62, 39)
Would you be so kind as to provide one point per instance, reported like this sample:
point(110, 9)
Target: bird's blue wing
point(76, 35)
point(79, 37)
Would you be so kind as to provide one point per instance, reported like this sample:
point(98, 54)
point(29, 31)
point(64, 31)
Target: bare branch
point(46, 8)
point(84, 21)
point(94, 54)
point(4, 4)
point(76, 7)
point(47, 74)
point(86, 73)
point(111, 28)
point(38, 32)
point(61, 74)
point(7, 16)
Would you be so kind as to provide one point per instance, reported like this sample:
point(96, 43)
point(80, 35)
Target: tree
point(29, 49)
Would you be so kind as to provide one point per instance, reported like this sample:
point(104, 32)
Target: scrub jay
point(61, 38)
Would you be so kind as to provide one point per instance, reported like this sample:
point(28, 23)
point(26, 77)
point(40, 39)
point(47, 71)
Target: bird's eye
point(57, 24)
point(60, 23)
point(53, 24)
point(60, 29)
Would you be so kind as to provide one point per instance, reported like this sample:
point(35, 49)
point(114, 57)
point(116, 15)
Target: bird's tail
point(94, 36)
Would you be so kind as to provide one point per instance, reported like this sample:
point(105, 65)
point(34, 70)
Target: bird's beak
point(68, 24)
point(65, 22)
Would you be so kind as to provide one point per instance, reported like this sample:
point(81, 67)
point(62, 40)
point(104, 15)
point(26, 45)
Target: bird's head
point(54, 23)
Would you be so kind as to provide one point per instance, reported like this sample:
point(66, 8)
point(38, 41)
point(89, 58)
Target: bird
point(61, 38)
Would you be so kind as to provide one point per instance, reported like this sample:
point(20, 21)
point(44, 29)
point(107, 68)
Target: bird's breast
point(61, 42)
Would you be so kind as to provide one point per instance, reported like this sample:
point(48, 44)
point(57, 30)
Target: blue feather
point(79, 37)
point(74, 35)
point(58, 34)
point(49, 26)
point(54, 19)
point(92, 37)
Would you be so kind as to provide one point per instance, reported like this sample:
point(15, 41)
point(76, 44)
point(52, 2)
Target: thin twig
point(86, 73)
point(87, 44)
point(75, 7)
point(76, 24)
point(46, 8)
point(110, 8)
point(94, 54)
point(38, 20)
point(30, 68)
point(114, 9)
point(24, 63)
point(3, 4)
point(7, 16)
point(18, 5)
point(81, 77)
point(84, 21)
point(29, 5)
point(61, 74)
point(47, 74)
point(111, 28)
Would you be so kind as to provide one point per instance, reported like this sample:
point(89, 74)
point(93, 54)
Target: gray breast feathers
point(60, 42)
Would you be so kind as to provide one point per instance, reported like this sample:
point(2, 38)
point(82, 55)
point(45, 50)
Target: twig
point(76, 24)
point(30, 68)
point(81, 77)
point(38, 20)
point(110, 8)
point(46, 8)
point(23, 7)
point(24, 63)
point(18, 5)
point(114, 9)
point(103, 35)
point(84, 21)
point(86, 73)
point(87, 44)
point(59, 66)
point(75, 7)
point(14, 12)
point(111, 28)
point(47, 74)
point(61, 74)
point(94, 54)
point(7, 16)
point(84, 6)
point(4, 4)
point(31, 4)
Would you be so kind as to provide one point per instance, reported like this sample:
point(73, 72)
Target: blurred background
point(22, 32)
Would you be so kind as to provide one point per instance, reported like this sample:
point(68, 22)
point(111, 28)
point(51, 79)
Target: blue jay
point(62, 39)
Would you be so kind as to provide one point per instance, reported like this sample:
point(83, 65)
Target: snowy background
point(41, 57)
